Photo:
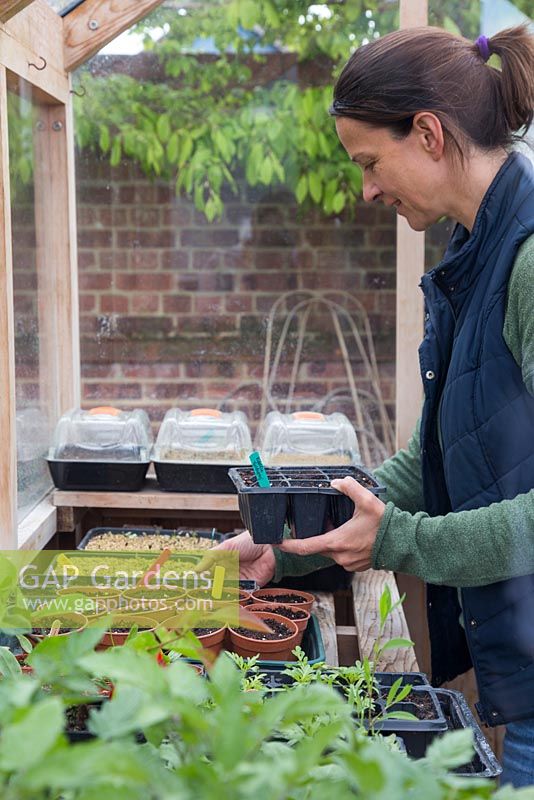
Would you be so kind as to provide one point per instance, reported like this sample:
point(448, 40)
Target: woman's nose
point(371, 192)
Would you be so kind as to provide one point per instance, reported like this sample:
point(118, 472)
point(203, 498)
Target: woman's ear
point(426, 127)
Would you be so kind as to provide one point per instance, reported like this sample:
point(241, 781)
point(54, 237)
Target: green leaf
point(302, 189)
point(9, 666)
point(104, 140)
point(163, 128)
point(385, 604)
point(31, 737)
point(172, 148)
point(391, 644)
point(451, 750)
point(316, 188)
point(338, 202)
point(115, 157)
point(185, 150)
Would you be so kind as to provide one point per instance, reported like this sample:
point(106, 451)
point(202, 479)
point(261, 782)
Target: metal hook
point(81, 93)
point(31, 64)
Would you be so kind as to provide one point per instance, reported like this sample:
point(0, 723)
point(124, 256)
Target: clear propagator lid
point(102, 434)
point(307, 438)
point(203, 435)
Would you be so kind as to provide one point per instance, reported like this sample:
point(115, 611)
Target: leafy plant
point(207, 121)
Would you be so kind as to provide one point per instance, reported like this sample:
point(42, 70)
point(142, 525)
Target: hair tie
point(483, 47)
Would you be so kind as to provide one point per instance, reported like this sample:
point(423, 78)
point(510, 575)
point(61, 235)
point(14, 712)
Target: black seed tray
point(387, 679)
point(301, 495)
point(206, 478)
point(458, 716)
point(98, 476)
point(214, 535)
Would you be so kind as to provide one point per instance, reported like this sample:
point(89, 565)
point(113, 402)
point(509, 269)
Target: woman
point(431, 124)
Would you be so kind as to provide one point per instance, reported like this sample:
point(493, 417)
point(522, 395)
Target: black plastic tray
point(205, 478)
point(302, 496)
point(214, 535)
point(98, 476)
point(458, 715)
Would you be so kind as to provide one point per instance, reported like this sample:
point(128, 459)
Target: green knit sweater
point(466, 548)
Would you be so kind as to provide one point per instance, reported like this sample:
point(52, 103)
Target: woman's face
point(409, 174)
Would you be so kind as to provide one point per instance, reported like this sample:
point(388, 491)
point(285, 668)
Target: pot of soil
point(288, 597)
point(96, 602)
point(201, 601)
point(71, 622)
point(275, 646)
point(160, 604)
point(244, 598)
point(120, 627)
point(209, 632)
point(298, 615)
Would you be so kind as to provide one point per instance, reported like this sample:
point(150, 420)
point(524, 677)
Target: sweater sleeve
point(518, 328)
point(466, 548)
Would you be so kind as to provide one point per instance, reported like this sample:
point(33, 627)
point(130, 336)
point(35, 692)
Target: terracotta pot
point(71, 618)
point(159, 604)
point(272, 608)
point(211, 642)
point(245, 598)
point(110, 639)
point(269, 649)
point(274, 594)
point(99, 601)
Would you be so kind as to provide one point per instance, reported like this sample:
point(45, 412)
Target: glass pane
point(62, 5)
point(212, 192)
point(34, 406)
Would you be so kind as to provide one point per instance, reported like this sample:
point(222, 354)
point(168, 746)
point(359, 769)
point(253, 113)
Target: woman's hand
point(351, 544)
point(256, 561)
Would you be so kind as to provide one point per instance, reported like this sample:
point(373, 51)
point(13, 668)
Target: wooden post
point(409, 389)
point(8, 472)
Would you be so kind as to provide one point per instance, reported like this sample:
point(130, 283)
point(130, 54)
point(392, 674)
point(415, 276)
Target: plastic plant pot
point(71, 622)
point(288, 597)
point(282, 610)
point(159, 604)
point(302, 496)
point(272, 649)
point(96, 602)
point(120, 628)
point(98, 476)
point(245, 598)
point(212, 640)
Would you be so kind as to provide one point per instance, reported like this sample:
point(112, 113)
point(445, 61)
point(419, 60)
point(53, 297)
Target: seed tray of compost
point(98, 476)
point(200, 477)
point(135, 533)
point(302, 496)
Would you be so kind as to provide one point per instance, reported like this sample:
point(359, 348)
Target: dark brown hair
point(385, 83)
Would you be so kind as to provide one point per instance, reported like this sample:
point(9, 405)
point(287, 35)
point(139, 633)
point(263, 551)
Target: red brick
point(145, 303)
point(112, 259)
point(382, 237)
point(335, 237)
point(142, 217)
point(173, 390)
point(206, 259)
point(86, 258)
point(141, 282)
point(380, 280)
point(143, 259)
point(208, 304)
point(181, 304)
point(85, 215)
point(95, 281)
point(159, 238)
point(114, 391)
point(161, 371)
point(113, 303)
point(275, 237)
point(95, 238)
point(239, 259)
point(87, 302)
point(267, 281)
point(209, 237)
point(236, 303)
point(174, 259)
point(272, 259)
point(176, 216)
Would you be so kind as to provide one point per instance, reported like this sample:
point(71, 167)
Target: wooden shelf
point(149, 498)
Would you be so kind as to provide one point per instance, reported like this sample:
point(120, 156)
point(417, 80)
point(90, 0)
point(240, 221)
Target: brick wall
point(173, 309)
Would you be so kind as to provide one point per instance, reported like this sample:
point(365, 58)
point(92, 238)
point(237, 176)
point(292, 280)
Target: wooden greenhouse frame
point(42, 48)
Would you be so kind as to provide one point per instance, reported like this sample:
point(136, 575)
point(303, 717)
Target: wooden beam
point(31, 46)
point(8, 8)
point(410, 267)
point(94, 23)
point(8, 436)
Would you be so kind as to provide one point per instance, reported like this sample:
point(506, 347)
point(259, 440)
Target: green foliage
point(202, 122)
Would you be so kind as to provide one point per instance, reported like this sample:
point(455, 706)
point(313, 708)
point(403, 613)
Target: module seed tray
point(98, 476)
point(302, 496)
